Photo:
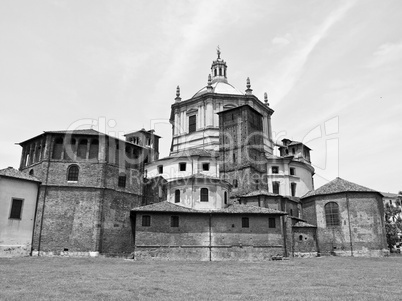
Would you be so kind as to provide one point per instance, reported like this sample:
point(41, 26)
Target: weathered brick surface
point(91, 214)
point(205, 237)
point(361, 229)
point(304, 240)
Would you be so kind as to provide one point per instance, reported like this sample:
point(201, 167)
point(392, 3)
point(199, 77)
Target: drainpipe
point(350, 229)
point(34, 221)
point(210, 237)
point(44, 195)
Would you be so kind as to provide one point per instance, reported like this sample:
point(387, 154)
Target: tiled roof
point(88, 132)
point(389, 195)
point(77, 132)
point(292, 198)
point(13, 173)
point(303, 224)
point(231, 209)
point(193, 152)
point(258, 192)
point(338, 186)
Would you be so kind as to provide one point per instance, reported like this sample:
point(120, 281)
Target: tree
point(393, 222)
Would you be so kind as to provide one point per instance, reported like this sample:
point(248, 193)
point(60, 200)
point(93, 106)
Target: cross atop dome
point(218, 68)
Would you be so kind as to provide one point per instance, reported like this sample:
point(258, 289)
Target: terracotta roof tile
point(338, 186)
point(14, 173)
point(231, 209)
point(303, 224)
point(258, 192)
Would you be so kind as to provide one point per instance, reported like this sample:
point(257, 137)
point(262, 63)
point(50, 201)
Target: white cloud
point(282, 41)
point(291, 67)
point(386, 53)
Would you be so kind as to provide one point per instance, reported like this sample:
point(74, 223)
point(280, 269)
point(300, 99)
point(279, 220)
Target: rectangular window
point(174, 221)
point(292, 171)
point(204, 194)
point(275, 187)
point(205, 166)
point(272, 222)
point(192, 121)
point(146, 221)
point(122, 181)
point(275, 169)
point(245, 222)
point(16, 208)
point(235, 183)
point(293, 188)
point(160, 169)
point(182, 166)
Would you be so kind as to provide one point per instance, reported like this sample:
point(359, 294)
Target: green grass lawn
point(326, 278)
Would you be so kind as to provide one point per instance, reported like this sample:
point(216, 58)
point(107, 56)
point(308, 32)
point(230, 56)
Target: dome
point(220, 87)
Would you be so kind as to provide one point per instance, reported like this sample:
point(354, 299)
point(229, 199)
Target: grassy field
point(326, 278)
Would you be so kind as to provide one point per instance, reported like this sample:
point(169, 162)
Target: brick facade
point(207, 237)
point(90, 213)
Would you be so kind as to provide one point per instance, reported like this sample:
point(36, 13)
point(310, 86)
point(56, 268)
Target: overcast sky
point(332, 71)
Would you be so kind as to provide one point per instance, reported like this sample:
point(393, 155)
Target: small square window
point(160, 169)
point(16, 209)
point(275, 169)
point(182, 166)
point(245, 222)
point(205, 166)
point(272, 222)
point(292, 171)
point(174, 221)
point(146, 221)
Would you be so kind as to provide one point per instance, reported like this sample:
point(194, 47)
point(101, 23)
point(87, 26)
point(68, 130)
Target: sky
point(332, 71)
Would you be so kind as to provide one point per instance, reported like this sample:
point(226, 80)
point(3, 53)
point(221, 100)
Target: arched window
point(31, 172)
point(225, 197)
point(72, 173)
point(332, 214)
point(204, 194)
point(177, 196)
point(57, 148)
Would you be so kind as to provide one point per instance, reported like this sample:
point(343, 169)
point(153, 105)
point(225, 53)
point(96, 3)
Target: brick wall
point(205, 237)
point(361, 229)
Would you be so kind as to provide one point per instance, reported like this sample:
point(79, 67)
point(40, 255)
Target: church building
point(226, 191)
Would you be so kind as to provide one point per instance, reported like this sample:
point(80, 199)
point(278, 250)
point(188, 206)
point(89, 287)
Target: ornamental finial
point(266, 98)
point(209, 85)
point(178, 98)
point(218, 51)
point(248, 85)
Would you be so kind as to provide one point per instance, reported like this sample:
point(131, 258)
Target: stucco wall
point(16, 234)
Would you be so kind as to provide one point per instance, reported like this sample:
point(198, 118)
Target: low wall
point(14, 250)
